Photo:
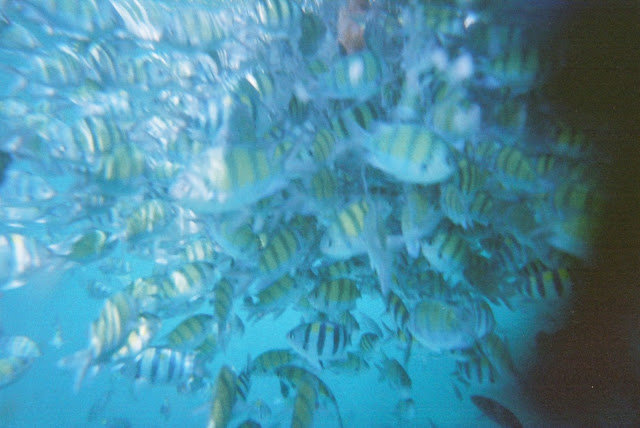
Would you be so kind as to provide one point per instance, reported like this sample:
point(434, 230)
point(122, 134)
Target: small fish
point(24, 259)
point(57, 341)
point(108, 333)
point(156, 365)
point(496, 412)
point(405, 410)
point(496, 350)
point(320, 341)
point(540, 282)
point(11, 369)
point(476, 371)
point(165, 409)
point(20, 347)
point(396, 375)
point(269, 361)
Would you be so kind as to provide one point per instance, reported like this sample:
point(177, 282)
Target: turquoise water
point(131, 130)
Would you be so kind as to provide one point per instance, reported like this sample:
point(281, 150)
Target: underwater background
point(318, 213)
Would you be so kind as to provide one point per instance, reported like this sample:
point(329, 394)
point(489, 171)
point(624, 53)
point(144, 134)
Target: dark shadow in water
point(588, 374)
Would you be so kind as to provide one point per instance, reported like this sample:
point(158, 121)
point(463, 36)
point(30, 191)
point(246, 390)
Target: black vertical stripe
point(154, 365)
point(307, 332)
point(336, 339)
point(557, 282)
point(138, 374)
point(321, 338)
point(540, 283)
point(181, 365)
point(172, 366)
point(359, 118)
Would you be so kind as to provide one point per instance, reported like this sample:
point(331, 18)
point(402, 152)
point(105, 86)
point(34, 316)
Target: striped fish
point(149, 217)
point(279, 17)
point(236, 238)
point(447, 252)
point(418, 218)
point(297, 376)
point(304, 404)
point(335, 296)
point(410, 153)
point(179, 289)
point(272, 299)
point(544, 283)
point(398, 310)
point(11, 369)
point(343, 239)
point(496, 350)
point(320, 341)
point(396, 375)
point(281, 254)
point(190, 333)
point(107, 334)
point(91, 245)
point(121, 169)
point(222, 302)
point(476, 371)
point(157, 365)
point(224, 398)
point(441, 326)
point(20, 347)
point(23, 259)
point(138, 338)
point(269, 361)
point(227, 179)
point(355, 76)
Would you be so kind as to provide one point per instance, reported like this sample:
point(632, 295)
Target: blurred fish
point(405, 410)
point(25, 259)
point(156, 365)
point(409, 153)
point(269, 361)
point(304, 404)
point(222, 180)
point(272, 299)
point(138, 338)
point(297, 376)
point(356, 76)
point(191, 332)
point(107, 334)
point(396, 375)
point(224, 398)
point(496, 411)
point(441, 326)
point(335, 296)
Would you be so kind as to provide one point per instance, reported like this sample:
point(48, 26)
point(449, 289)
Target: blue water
point(54, 304)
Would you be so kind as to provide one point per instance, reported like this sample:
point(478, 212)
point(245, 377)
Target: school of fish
point(269, 156)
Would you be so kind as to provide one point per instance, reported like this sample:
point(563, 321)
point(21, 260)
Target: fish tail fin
point(80, 362)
